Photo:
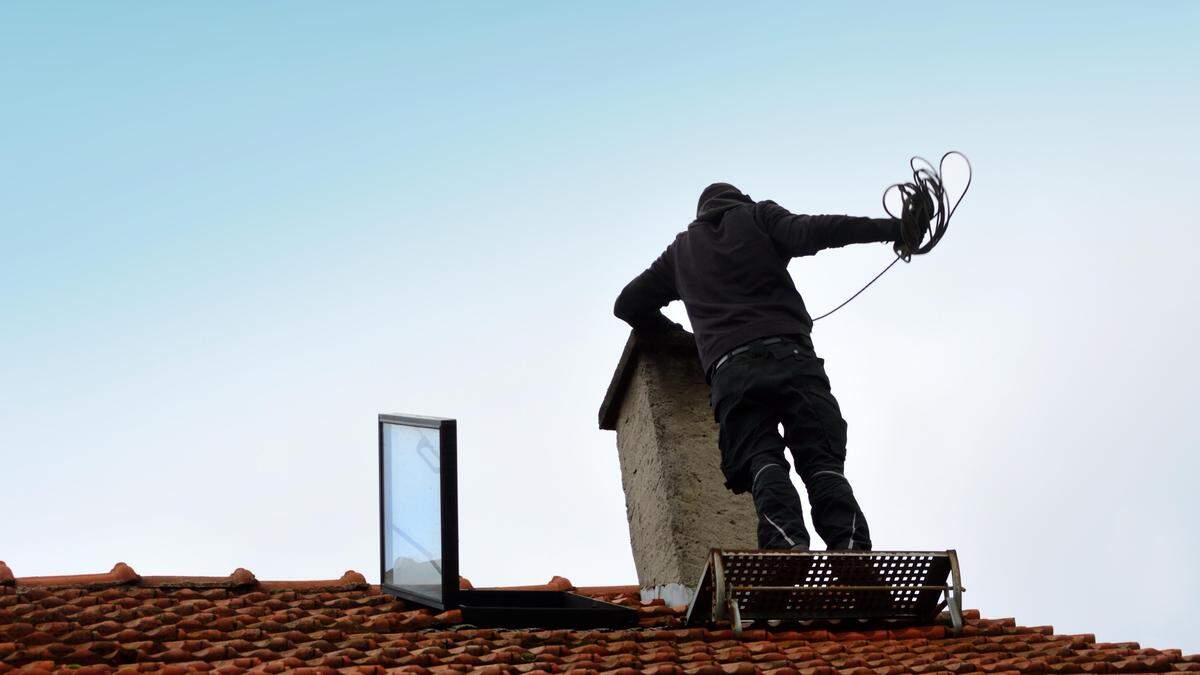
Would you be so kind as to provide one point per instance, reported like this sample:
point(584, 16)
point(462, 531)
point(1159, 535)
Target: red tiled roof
point(120, 621)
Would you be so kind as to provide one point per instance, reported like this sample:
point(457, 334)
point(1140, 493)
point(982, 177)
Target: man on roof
point(752, 330)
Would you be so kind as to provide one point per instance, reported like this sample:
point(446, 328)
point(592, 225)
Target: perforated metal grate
point(835, 585)
point(896, 586)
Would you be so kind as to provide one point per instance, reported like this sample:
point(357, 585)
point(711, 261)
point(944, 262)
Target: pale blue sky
point(233, 233)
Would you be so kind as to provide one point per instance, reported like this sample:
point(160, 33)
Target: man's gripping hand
point(914, 223)
point(657, 324)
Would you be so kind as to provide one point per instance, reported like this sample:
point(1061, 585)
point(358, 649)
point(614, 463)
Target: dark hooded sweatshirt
point(730, 269)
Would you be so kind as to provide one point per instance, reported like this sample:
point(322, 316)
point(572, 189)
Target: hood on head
point(717, 199)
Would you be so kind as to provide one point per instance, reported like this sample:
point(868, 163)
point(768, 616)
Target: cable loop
point(925, 212)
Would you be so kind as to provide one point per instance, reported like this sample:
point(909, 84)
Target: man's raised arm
point(797, 235)
point(641, 301)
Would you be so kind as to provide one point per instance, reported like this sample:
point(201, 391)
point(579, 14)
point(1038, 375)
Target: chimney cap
point(679, 341)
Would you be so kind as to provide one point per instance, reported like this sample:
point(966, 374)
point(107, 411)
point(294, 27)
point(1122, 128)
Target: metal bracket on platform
point(721, 603)
point(887, 587)
point(954, 595)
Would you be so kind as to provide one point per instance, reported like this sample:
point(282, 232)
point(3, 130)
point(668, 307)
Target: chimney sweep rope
point(925, 211)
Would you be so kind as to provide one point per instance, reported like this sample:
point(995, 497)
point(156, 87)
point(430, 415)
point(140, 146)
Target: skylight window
point(419, 537)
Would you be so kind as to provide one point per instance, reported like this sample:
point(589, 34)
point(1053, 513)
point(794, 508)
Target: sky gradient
point(231, 234)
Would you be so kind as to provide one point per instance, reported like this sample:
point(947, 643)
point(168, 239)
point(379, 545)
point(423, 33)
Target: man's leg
point(780, 513)
point(816, 433)
point(836, 513)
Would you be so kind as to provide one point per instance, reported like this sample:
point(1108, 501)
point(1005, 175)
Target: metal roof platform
point(868, 587)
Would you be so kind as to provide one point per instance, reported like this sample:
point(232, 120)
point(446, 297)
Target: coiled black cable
point(925, 212)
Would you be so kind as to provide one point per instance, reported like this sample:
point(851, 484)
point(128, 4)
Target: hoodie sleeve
point(799, 235)
point(641, 301)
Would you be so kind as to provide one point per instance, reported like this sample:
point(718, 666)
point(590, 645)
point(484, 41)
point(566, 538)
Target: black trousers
point(785, 383)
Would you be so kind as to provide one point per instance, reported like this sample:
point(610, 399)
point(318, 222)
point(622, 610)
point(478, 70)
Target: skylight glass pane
point(412, 509)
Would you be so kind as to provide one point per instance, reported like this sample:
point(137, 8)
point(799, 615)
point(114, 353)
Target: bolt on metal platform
point(888, 587)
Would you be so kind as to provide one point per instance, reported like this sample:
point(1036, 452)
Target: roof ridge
point(241, 578)
point(124, 575)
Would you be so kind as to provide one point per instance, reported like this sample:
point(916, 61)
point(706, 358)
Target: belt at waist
point(743, 349)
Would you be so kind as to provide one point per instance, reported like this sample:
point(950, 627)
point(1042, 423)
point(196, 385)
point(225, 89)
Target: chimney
point(675, 496)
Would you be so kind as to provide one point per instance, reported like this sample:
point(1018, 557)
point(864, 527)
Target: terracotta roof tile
point(121, 622)
point(350, 579)
point(239, 577)
point(120, 574)
point(555, 584)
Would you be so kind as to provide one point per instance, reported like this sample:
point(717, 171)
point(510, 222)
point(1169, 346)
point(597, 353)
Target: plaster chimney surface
point(676, 502)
